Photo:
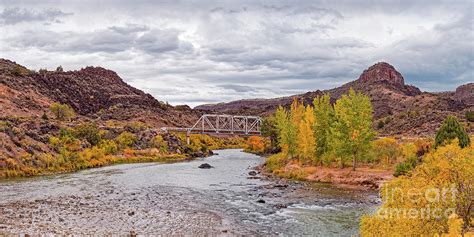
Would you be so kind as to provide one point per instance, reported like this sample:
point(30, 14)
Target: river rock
point(261, 201)
point(205, 166)
point(253, 173)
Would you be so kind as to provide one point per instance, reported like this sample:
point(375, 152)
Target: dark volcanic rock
point(382, 72)
point(465, 94)
point(205, 166)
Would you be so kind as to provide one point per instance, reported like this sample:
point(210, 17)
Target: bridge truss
point(222, 124)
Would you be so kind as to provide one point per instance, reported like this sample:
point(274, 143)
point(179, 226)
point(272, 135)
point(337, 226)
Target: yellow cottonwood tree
point(306, 140)
point(351, 131)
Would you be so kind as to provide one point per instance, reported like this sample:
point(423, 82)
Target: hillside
point(399, 109)
point(94, 93)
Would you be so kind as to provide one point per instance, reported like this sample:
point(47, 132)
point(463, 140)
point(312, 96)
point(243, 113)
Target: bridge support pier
point(188, 134)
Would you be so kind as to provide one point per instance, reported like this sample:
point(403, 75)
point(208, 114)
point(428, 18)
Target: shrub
point(380, 124)
point(423, 146)
point(109, 146)
point(449, 130)
point(448, 172)
point(405, 168)
point(275, 162)
point(59, 69)
point(88, 132)
point(19, 71)
point(255, 144)
point(470, 116)
point(387, 150)
point(135, 126)
point(62, 111)
point(126, 139)
point(160, 143)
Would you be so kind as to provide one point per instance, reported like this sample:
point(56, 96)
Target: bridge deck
point(221, 124)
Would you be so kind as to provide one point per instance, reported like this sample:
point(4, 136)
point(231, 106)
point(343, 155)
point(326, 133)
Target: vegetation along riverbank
point(68, 144)
point(336, 143)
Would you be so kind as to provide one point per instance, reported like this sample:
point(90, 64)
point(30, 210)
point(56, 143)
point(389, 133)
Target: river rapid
point(180, 198)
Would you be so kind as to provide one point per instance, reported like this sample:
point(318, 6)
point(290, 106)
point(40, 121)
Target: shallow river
point(179, 198)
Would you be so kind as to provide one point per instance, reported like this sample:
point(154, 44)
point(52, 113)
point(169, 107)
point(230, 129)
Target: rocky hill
point(93, 92)
point(399, 109)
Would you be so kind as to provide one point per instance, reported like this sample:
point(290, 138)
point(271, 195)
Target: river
point(180, 198)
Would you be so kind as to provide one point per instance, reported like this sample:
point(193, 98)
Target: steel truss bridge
point(221, 124)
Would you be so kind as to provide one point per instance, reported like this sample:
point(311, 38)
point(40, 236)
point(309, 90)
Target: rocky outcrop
point(465, 94)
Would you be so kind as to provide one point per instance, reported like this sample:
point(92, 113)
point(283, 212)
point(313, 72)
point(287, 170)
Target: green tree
point(324, 114)
point(351, 133)
point(269, 129)
point(286, 132)
point(62, 111)
point(449, 130)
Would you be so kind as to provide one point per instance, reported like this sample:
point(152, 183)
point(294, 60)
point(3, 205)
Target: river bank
point(180, 198)
point(363, 178)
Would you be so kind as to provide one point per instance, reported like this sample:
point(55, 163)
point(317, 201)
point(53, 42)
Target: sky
point(197, 52)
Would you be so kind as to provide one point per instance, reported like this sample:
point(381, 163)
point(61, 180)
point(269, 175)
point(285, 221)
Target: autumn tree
point(306, 141)
point(449, 130)
point(351, 133)
point(324, 114)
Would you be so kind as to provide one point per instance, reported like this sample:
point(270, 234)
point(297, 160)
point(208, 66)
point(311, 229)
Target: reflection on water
point(226, 190)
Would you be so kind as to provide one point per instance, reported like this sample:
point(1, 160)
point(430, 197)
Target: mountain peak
point(383, 72)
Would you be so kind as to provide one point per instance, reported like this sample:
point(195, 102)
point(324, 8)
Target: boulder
point(205, 166)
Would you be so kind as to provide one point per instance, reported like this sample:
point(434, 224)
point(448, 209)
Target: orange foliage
point(255, 144)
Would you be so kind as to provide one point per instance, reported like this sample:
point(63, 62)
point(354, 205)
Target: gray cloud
point(113, 39)
point(238, 88)
point(15, 15)
point(208, 51)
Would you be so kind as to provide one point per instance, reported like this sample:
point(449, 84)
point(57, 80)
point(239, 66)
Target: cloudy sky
point(197, 52)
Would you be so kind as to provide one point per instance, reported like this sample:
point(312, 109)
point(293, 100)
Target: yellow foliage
point(62, 111)
point(420, 205)
point(387, 150)
point(306, 141)
point(160, 143)
point(275, 162)
point(125, 139)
